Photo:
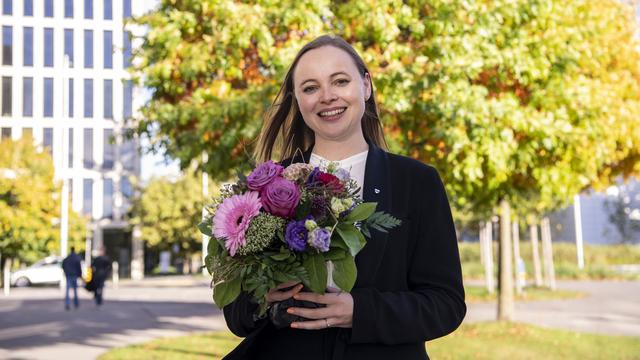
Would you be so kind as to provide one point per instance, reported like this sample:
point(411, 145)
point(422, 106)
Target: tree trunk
point(481, 233)
point(537, 272)
point(517, 260)
point(505, 287)
point(547, 255)
point(488, 257)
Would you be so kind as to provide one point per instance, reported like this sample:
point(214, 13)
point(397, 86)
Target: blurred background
point(120, 119)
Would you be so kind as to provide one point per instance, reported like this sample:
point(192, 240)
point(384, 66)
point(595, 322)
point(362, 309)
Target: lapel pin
point(377, 191)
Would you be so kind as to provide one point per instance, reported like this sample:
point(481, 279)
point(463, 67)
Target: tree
point(29, 204)
point(168, 213)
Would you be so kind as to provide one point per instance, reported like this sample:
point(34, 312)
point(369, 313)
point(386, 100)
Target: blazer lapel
point(375, 189)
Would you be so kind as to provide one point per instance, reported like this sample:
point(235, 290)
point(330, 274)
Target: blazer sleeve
point(434, 304)
point(239, 315)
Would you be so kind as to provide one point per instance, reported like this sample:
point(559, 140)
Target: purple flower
point(320, 238)
point(280, 197)
point(319, 207)
point(342, 174)
point(296, 235)
point(263, 174)
point(313, 176)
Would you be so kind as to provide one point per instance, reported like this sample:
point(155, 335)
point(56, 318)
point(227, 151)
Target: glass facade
point(48, 97)
point(88, 49)
point(68, 45)
point(70, 159)
point(128, 155)
point(6, 133)
point(125, 187)
point(68, 8)
point(7, 7)
point(71, 92)
point(108, 151)
point(28, 7)
point(27, 52)
point(88, 98)
point(48, 47)
point(108, 99)
point(7, 96)
point(108, 10)
point(88, 9)
point(126, 49)
point(27, 132)
point(127, 109)
point(108, 49)
point(27, 97)
point(7, 45)
point(87, 154)
point(126, 9)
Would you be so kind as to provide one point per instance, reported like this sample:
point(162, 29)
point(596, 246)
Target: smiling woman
point(409, 286)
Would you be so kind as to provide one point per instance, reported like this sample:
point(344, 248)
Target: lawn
point(490, 340)
point(476, 294)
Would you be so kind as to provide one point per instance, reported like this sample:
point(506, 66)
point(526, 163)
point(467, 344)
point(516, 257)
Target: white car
point(45, 271)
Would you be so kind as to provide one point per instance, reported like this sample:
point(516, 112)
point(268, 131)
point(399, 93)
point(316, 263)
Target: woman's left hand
point(337, 313)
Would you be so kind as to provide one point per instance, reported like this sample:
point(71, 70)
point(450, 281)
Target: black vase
point(279, 316)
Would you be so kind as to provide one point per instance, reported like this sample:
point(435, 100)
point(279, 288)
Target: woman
point(409, 285)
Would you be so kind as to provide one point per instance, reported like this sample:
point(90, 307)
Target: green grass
point(491, 340)
point(598, 260)
point(476, 294)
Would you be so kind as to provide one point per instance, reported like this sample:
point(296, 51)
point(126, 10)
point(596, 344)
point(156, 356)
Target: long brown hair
point(283, 124)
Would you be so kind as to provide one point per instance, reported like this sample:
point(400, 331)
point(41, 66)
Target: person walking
point(72, 270)
point(101, 267)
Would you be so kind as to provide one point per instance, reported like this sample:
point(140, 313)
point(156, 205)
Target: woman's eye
point(308, 89)
point(342, 81)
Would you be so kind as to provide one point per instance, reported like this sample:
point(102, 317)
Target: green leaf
point(225, 292)
point(317, 272)
point(335, 254)
point(213, 247)
point(352, 237)
point(280, 256)
point(345, 273)
point(205, 227)
point(361, 212)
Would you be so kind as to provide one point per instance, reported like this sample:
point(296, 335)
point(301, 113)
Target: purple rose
point(263, 174)
point(280, 197)
point(320, 238)
point(296, 235)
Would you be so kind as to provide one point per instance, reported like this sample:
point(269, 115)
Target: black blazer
point(409, 285)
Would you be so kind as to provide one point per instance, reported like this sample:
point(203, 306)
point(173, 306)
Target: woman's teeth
point(332, 112)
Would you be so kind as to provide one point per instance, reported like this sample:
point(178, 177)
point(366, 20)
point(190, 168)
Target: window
point(128, 155)
point(87, 196)
point(125, 187)
point(48, 47)
point(7, 45)
point(47, 139)
point(108, 151)
point(48, 97)
point(107, 198)
point(70, 163)
point(70, 112)
point(48, 8)
point(126, 9)
point(126, 50)
point(88, 48)
point(108, 49)
point(108, 99)
point(88, 98)
point(27, 97)
point(127, 109)
point(88, 9)
point(7, 7)
point(7, 96)
point(6, 133)
point(108, 10)
point(27, 132)
point(88, 149)
point(28, 46)
point(28, 8)
point(68, 45)
point(68, 8)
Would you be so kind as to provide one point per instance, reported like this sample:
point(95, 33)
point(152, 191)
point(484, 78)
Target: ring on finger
point(327, 321)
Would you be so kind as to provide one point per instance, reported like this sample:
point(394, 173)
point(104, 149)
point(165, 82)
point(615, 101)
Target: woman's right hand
point(277, 294)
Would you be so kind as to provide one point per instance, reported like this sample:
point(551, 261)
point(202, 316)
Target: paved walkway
point(34, 324)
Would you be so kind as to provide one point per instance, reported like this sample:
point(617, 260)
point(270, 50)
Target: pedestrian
point(101, 268)
point(409, 284)
point(72, 271)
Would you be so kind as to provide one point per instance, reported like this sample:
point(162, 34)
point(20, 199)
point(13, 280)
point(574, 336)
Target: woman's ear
point(367, 86)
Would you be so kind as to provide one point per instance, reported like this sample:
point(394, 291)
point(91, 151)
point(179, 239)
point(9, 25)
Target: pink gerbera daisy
point(232, 219)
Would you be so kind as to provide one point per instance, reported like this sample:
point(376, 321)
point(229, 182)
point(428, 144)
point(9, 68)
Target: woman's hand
point(337, 313)
point(277, 294)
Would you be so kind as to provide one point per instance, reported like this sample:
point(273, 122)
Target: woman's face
point(331, 93)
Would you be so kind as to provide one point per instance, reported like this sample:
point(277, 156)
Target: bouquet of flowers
point(282, 224)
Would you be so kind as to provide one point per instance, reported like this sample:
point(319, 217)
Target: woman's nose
point(328, 96)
